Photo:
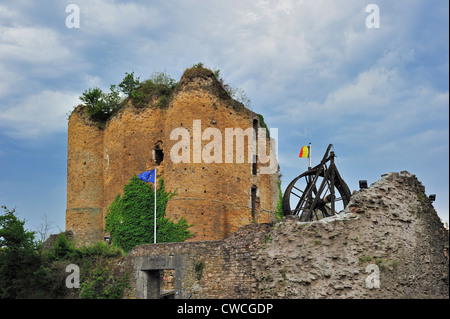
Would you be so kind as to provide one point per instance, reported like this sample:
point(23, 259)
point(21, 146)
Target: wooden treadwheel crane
point(317, 193)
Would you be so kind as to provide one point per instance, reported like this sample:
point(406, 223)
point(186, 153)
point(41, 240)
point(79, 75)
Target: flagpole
point(154, 221)
point(309, 153)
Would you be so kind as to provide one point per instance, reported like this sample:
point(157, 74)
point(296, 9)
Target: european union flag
point(148, 176)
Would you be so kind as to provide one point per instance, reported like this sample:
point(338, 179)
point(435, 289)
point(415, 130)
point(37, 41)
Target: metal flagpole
point(309, 153)
point(154, 221)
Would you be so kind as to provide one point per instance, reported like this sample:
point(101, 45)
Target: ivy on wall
point(130, 218)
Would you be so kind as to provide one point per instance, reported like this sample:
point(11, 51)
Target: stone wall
point(387, 243)
point(203, 269)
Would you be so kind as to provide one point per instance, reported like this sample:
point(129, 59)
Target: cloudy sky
point(312, 68)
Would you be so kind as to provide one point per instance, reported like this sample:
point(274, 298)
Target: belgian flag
point(304, 152)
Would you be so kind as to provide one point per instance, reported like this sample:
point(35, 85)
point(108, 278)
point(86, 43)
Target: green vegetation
point(363, 259)
point(421, 197)
point(382, 263)
point(280, 213)
point(100, 105)
point(394, 263)
point(27, 271)
point(283, 273)
point(263, 123)
point(130, 218)
point(268, 238)
point(198, 70)
point(129, 84)
point(21, 273)
point(96, 262)
point(159, 87)
point(198, 268)
point(156, 91)
point(233, 92)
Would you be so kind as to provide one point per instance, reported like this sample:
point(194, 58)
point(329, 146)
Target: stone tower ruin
point(216, 197)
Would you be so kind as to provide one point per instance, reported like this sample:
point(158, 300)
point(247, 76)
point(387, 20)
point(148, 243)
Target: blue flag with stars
point(148, 176)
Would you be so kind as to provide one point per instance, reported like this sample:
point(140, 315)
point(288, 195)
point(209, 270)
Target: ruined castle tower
point(217, 198)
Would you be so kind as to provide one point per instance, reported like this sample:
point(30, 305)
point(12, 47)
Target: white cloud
point(38, 115)
point(370, 94)
point(7, 14)
point(106, 18)
point(9, 80)
point(92, 80)
point(311, 68)
point(32, 45)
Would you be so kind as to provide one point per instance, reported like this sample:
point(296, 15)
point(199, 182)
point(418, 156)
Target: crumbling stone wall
point(390, 227)
point(214, 197)
point(387, 243)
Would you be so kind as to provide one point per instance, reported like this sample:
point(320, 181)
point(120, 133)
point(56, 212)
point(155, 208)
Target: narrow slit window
point(253, 202)
point(255, 157)
point(159, 154)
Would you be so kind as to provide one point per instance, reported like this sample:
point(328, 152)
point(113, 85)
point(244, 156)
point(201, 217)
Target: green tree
point(130, 218)
point(112, 98)
point(101, 105)
point(129, 84)
point(13, 236)
point(21, 274)
point(92, 97)
point(97, 108)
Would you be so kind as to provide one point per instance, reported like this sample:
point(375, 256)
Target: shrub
point(233, 92)
point(95, 263)
point(99, 283)
point(63, 249)
point(163, 79)
point(198, 70)
point(25, 274)
point(157, 89)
